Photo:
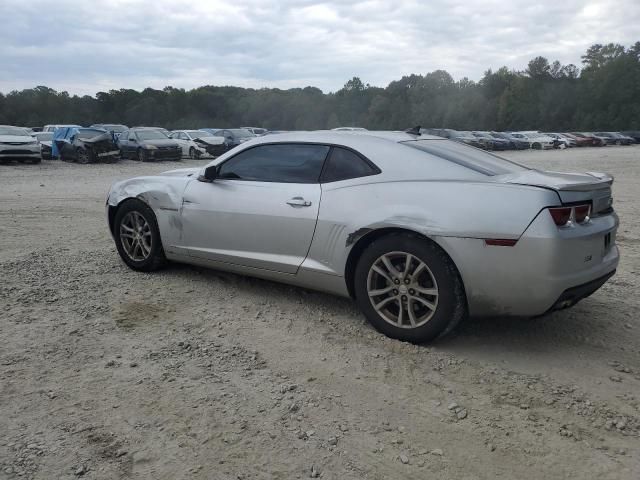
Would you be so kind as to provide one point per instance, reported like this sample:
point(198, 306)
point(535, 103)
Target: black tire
point(194, 154)
point(82, 156)
point(156, 258)
point(142, 155)
point(451, 305)
point(536, 146)
point(35, 161)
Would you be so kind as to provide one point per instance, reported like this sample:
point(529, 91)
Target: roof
point(338, 137)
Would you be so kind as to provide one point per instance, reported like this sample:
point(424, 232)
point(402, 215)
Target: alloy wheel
point(135, 236)
point(402, 290)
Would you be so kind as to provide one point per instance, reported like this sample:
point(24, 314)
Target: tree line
point(603, 95)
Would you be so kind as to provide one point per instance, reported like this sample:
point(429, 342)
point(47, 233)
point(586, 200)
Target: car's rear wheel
point(194, 154)
point(138, 237)
point(536, 146)
point(408, 288)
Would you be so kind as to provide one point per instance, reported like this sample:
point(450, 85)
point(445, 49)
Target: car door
point(261, 210)
point(123, 143)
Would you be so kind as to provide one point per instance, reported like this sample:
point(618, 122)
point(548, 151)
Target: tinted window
point(472, 158)
point(344, 164)
point(284, 163)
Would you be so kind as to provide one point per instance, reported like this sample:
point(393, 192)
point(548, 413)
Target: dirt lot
point(187, 373)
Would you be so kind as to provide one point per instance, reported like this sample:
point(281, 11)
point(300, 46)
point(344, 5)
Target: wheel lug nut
point(406, 280)
point(404, 297)
point(412, 291)
point(396, 281)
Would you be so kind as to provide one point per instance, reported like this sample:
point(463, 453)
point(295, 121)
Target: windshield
point(241, 133)
point(114, 128)
point(44, 136)
point(15, 131)
point(197, 134)
point(472, 158)
point(89, 133)
point(151, 135)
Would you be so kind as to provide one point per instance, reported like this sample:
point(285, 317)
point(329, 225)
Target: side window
point(344, 164)
point(282, 163)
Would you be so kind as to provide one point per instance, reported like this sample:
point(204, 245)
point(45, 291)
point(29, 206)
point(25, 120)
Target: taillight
point(581, 213)
point(564, 215)
point(561, 215)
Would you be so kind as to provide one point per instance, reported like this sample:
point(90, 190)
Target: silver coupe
point(421, 231)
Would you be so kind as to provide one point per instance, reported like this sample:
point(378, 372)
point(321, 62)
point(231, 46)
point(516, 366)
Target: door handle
point(298, 202)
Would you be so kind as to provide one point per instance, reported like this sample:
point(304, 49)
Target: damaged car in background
point(84, 145)
point(471, 234)
point(45, 139)
point(196, 143)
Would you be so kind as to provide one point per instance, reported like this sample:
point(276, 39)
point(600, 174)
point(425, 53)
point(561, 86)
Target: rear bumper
point(573, 295)
point(547, 263)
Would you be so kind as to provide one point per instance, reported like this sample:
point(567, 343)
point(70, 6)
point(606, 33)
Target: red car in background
point(584, 140)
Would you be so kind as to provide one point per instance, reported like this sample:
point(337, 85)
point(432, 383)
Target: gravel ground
point(106, 373)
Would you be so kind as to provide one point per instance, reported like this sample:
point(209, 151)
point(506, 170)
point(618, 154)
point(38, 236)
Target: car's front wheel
point(143, 156)
point(408, 288)
point(83, 156)
point(137, 236)
point(194, 154)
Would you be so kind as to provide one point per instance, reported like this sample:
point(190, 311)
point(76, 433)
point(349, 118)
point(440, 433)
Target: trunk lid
point(593, 187)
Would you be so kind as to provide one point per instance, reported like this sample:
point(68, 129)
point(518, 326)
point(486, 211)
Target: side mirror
point(209, 175)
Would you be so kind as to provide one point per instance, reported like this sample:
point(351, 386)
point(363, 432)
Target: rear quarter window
point(469, 157)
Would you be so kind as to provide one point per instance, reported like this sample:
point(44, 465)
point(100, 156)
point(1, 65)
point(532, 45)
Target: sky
point(87, 46)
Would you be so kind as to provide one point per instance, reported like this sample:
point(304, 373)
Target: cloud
point(84, 47)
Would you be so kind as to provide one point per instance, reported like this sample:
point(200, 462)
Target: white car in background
point(197, 143)
point(17, 144)
point(537, 140)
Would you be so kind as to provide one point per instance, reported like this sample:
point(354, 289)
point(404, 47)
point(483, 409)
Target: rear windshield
point(469, 157)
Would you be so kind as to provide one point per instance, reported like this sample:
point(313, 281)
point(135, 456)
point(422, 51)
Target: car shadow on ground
point(587, 323)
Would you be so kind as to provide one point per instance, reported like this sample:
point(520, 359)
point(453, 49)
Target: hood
point(16, 139)
point(160, 142)
point(209, 140)
point(181, 172)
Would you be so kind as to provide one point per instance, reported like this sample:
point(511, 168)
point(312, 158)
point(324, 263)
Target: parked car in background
point(595, 140)
point(580, 141)
point(635, 134)
point(148, 144)
point(52, 128)
point(45, 139)
point(614, 138)
point(17, 144)
point(234, 136)
point(514, 142)
point(256, 130)
point(537, 141)
point(196, 143)
point(84, 145)
point(322, 210)
point(491, 142)
point(560, 140)
point(114, 128)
